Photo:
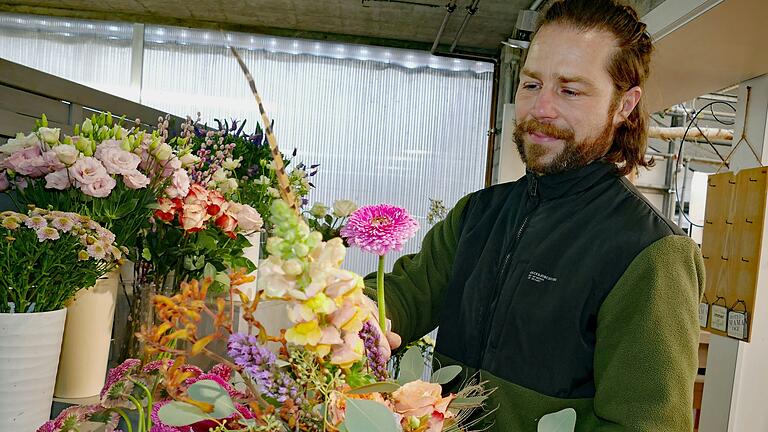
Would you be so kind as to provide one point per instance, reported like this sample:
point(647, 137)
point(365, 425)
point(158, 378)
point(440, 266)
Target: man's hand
point(388, 341)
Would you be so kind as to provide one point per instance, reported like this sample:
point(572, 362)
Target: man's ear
point(629, 101)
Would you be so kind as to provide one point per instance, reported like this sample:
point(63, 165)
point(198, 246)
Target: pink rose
point(4, 183)
point(179, 187)
point(217, 204)
point(167, 210)
point(419, 398)
point(228, 224)
point(248, 219)
point(197, 195)
point(193, 217)
point(87, 170)
point(135, 180)
point(116, 160)
point(58, 180)
point(100, 188)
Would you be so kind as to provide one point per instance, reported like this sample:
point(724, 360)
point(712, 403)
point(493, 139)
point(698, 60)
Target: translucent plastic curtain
point(381, 133)
point(93, 53)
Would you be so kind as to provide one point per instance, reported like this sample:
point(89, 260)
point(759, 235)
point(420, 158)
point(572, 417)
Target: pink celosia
point(379, 229)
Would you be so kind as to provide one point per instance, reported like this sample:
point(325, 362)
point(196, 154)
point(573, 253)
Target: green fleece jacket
point(627, 358)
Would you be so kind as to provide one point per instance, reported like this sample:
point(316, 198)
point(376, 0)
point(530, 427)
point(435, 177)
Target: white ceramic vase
point(87, 338)
point(30, 344)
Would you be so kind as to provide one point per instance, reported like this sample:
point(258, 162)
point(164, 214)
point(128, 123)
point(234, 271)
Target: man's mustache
point(535, 126)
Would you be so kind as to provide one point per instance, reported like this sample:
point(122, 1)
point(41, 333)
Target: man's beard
point(573, 155)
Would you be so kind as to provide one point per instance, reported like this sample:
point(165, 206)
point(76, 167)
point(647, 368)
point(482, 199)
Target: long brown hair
point(628, 67)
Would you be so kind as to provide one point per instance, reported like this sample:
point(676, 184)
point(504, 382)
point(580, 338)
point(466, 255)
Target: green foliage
point(369, 416)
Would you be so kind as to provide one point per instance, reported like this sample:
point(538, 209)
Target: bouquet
point(240, 166)
point(200, 233)
point(105, 171)
point(47, 256)
point(327, 374)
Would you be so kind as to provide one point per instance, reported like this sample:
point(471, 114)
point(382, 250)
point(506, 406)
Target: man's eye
point(530, 86)
point(570, 92)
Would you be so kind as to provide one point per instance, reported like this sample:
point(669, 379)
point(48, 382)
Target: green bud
point(44, 122)
point(87, 127)
point(76, 130)
point(109, 119)
point(414, 422)
point(301, 250)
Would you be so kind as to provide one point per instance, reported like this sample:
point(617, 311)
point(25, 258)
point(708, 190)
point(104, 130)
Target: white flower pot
point(87, 338)
point(30, 344)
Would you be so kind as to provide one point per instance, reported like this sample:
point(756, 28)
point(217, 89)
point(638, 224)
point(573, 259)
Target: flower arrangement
point(327, 375)
point(329, 222)
point(240, 166)
point(104, 171)
point(379, 229)
point(47, 256)
point(200, 232)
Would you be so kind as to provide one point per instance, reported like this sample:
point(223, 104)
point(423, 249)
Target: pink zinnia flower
point(379, 228)
point(118, 386)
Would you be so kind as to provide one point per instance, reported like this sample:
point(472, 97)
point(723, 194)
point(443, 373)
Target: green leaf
point(561, 421)
point(209, 271)
point(206, 241)
point(127, 208)
point(146, 254)
point(208, 391)
point(379, 387)
point(181, 414)
point(369, 416)
point(467, 402)
point(445, 375)
point(411, 366)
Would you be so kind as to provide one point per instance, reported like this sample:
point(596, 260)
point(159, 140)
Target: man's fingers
point(393, 339)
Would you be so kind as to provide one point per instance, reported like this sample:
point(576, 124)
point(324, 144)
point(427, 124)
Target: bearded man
point(566, 288)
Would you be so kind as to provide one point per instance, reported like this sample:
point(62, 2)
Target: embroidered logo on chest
point(540, 277)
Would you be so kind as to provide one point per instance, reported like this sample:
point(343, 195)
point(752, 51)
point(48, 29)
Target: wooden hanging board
point(732, 241)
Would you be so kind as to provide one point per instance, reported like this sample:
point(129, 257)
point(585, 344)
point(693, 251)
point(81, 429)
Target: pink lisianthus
point(87, 170)
point(115, 159)
point(28, 162)
point(4, 183)
point(179, 186)
point(171, 166)
point(379, 229)
point(58, 180)
point(100, 188)
point(135, 180)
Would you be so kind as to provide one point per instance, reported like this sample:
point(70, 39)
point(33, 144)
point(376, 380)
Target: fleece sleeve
point(416, 284)
point(647, 341)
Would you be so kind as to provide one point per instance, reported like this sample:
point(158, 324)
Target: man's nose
point(544, 106)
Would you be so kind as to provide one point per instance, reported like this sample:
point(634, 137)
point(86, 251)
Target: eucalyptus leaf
point(561, 421)
point(379, 387)
point(411, 366)
point(209, 271)
point(445, 375)
point(211, 392)
point(181, 414)
point(369, 416)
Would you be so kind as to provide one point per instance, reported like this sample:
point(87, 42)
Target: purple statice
point(259, 363)
point(376, 361)
point(254, 358)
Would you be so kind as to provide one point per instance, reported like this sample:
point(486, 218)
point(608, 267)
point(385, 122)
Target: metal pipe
point(492, 135)
point(403, 2)
point(449, 8)
point(462, 56)
point(535, 5)
point(471, 11)
point(682, 195)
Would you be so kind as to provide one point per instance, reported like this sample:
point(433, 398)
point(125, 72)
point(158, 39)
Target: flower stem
point(125, 418)
point(380, 295)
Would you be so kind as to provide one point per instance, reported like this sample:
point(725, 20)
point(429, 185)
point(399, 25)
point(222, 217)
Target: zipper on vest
point(500, 277)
